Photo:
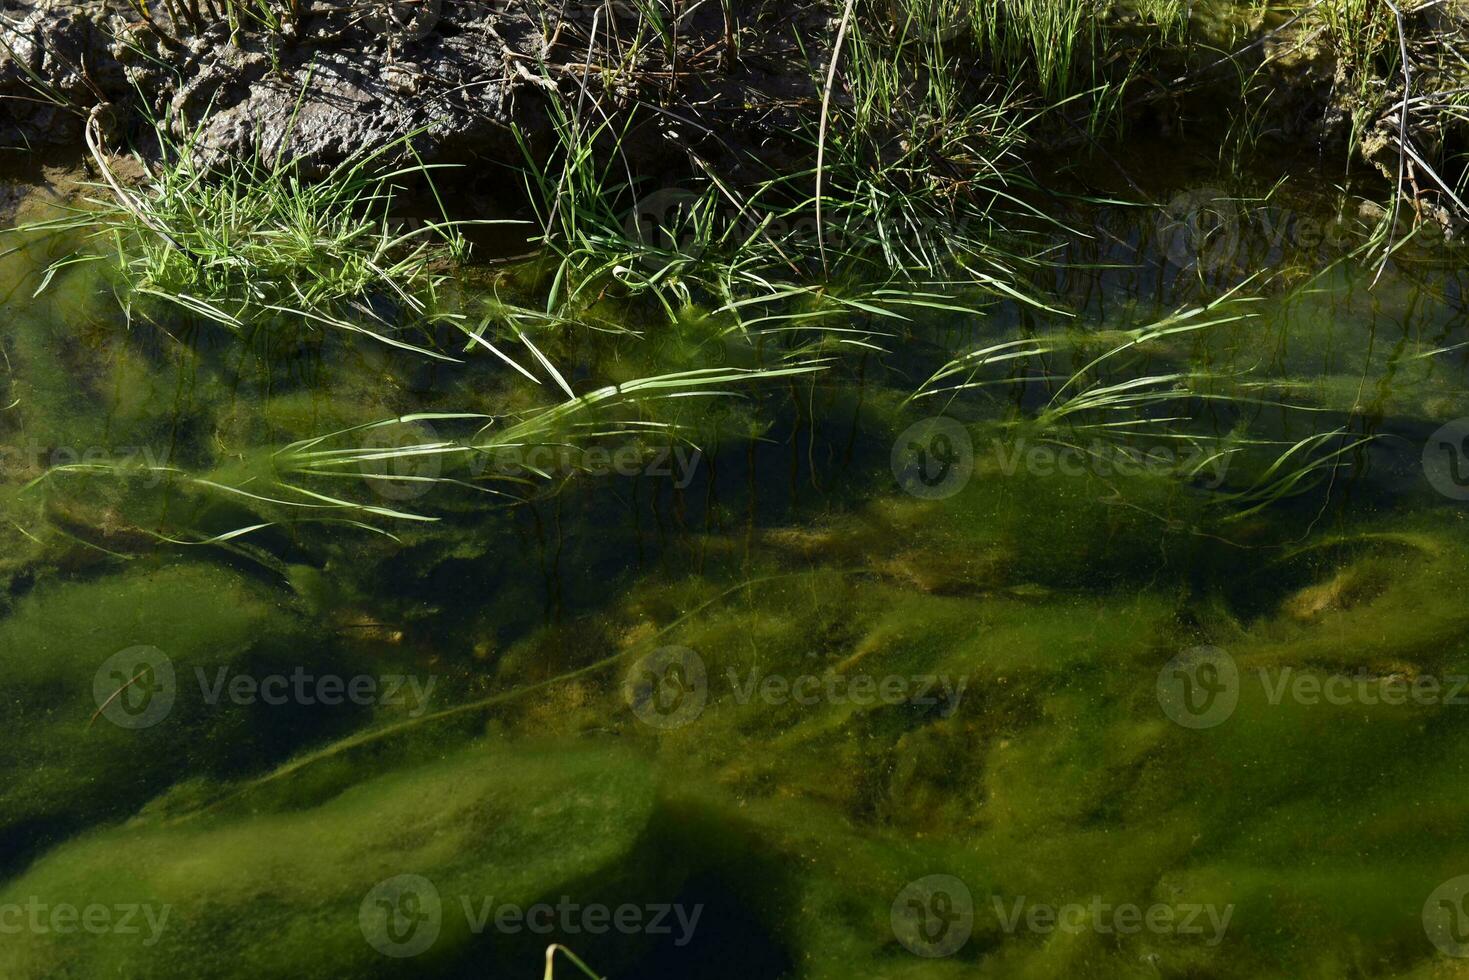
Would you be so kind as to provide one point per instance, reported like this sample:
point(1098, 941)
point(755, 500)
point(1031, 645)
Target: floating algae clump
point(319, 886)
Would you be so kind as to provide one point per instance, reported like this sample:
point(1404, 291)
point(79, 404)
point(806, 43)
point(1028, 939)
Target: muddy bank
point(458, 77)
point(732, 87)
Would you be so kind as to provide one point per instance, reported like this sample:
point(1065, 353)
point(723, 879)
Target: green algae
point(68, 764)
point(1089, 793)
point(1066, 757)
point(1047, 602)
point(488, 822)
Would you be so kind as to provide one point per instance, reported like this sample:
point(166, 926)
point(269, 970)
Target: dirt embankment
point(722, 84)
point(460, 74)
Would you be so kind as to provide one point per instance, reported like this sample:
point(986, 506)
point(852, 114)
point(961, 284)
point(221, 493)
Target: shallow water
point(824, 694)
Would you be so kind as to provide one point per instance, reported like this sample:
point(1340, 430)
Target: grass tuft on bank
point(258, 241)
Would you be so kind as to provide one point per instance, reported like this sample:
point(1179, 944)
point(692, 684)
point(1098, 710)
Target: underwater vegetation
point(919, 556)
point(987, 663)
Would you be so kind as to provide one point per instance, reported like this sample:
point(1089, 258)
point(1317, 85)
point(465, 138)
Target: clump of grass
point(907, 210)
point(1363, 35)
point(255, 241)
point(1169, 16)
point(1045, 37)
point(1062, 48)
point(921, 163)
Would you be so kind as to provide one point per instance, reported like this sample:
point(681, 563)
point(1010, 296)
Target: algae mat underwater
point(1119, 639)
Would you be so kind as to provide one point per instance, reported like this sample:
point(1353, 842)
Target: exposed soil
point(462, 77)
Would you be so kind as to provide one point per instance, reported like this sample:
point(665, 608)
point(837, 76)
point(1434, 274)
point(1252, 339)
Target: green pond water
point(830, 696)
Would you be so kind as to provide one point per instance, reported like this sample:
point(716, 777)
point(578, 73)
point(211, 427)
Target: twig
point(1397, 198)
point(555, 948)
point(831, 75)
point(115, 694)
point(1427, 168)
